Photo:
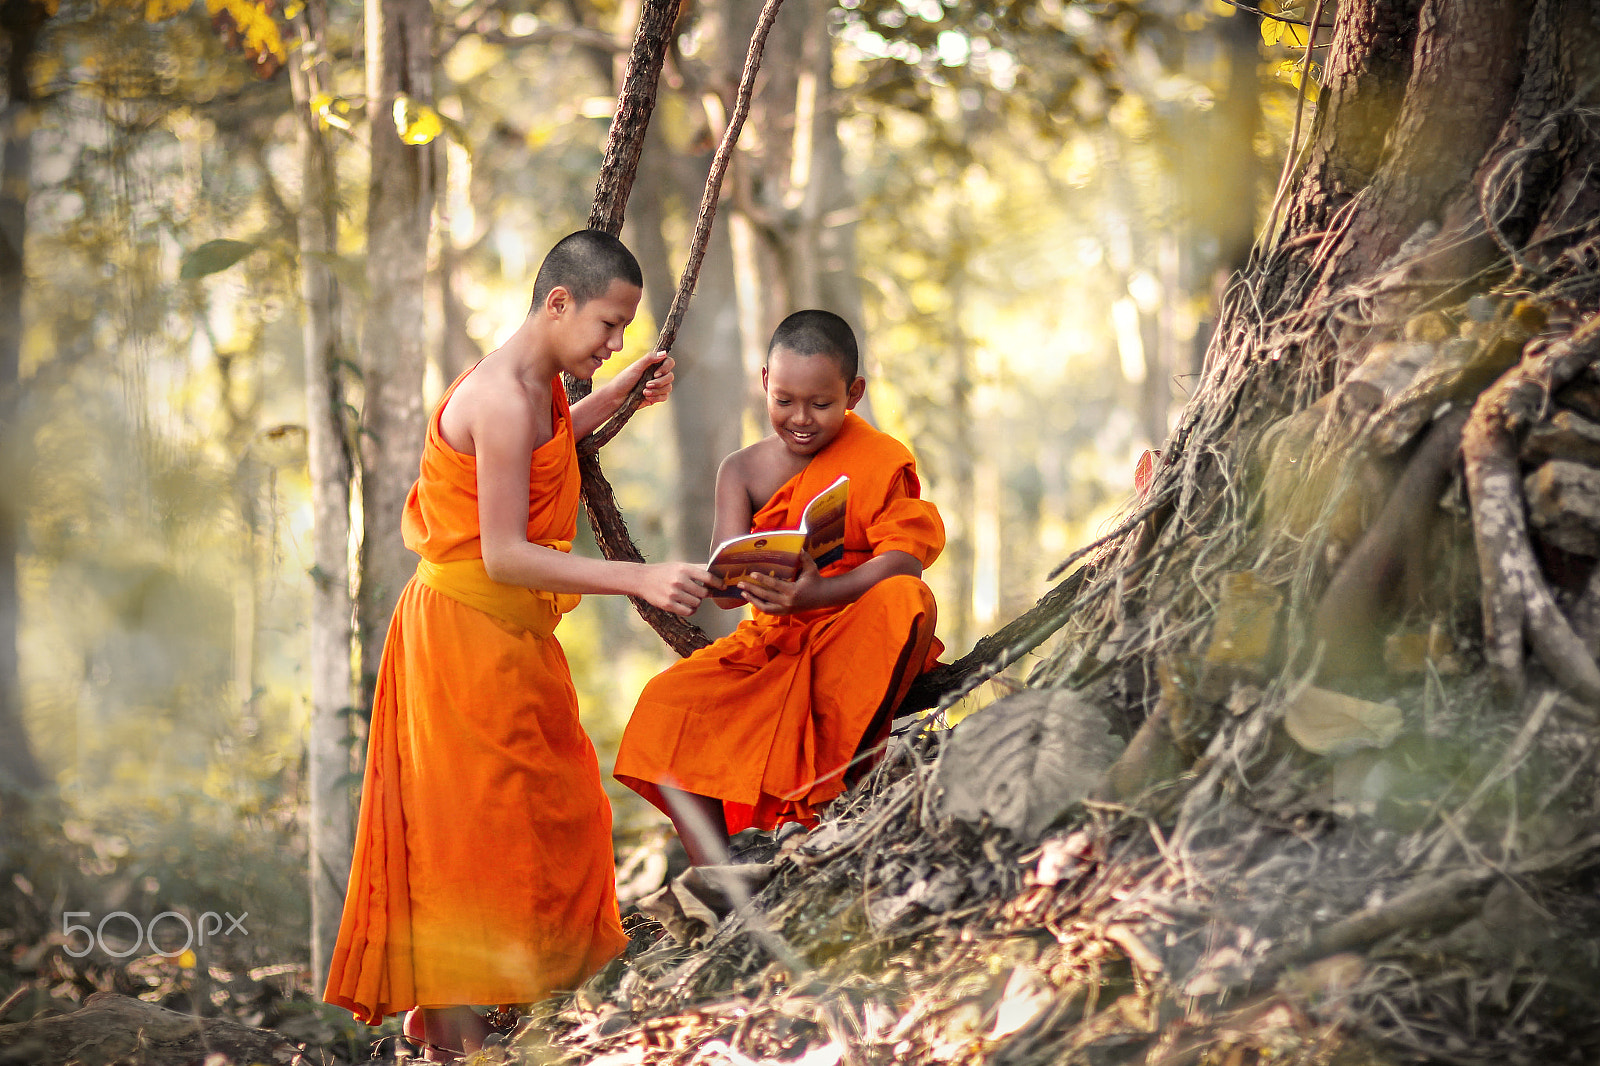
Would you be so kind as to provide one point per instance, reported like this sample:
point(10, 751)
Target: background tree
point(22, 21)
point(330, 826)
point(400, 201)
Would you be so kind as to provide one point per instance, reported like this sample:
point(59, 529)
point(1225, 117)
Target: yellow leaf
point(539, 134)
point(416, 123)
point(187, 959)
point(1271, 31)
point(293, 10)
point(1323, 722)
point(1293, 35)
point(260, 30)
point(331, 111)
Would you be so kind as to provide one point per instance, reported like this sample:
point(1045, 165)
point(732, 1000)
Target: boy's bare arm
point(734, 510)
point(503, 436)
point(590, 412)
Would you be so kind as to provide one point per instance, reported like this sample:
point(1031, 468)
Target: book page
point(824, 522)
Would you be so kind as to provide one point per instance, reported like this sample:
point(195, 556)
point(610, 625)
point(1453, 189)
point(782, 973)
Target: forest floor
point(1349, 925)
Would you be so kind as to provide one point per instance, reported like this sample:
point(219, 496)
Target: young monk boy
point(483, 866)
point(760, 727)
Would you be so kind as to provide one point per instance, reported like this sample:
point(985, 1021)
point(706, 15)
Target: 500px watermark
point(209, 925)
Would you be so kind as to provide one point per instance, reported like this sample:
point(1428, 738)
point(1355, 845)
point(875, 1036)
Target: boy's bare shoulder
point(491, 399)
point(756, 462)
point(758, 470)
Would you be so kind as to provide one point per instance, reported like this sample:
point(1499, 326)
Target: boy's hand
point(774, 595)
point(658, 388)
point(675, 587)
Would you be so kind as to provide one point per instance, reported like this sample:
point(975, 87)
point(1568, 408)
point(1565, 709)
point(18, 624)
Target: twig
point(1274, 16)
point(14, 998)
point(635, 102)
point(1016, 638)
point(1156, 503)
point(1510, 759)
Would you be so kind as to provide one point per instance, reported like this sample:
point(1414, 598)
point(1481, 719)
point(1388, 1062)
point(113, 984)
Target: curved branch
point(702, 229)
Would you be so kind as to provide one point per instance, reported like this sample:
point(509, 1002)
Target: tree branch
point(635, 102)
point(702, 229)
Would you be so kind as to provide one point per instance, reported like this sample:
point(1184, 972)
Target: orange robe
point(769, 718)
point(483, 869)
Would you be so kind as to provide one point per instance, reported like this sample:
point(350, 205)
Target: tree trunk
point(331, 826)
point(22, 20)
point(394, 354)
point(792, 223)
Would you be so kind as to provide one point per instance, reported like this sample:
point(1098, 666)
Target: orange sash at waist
point(466, 581)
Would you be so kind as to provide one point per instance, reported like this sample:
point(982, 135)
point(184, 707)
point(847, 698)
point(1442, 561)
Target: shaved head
point(815, 332)
point(585, 263)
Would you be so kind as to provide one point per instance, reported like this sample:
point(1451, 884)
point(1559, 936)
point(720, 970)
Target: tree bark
point(635, 103)
point(611, 532)
point(331, 830)
point(1452, 156)
point(400, 197)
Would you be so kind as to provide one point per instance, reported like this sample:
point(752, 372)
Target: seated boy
point(760, 727)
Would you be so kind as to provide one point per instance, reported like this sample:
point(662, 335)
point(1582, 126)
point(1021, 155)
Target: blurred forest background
point(1027, 208)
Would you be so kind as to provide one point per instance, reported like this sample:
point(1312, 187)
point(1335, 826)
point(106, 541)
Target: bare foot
point(446, 1033)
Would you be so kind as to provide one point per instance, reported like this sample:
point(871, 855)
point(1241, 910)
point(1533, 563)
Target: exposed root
point(1517, 600)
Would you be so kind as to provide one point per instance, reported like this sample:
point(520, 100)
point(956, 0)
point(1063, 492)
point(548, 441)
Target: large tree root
point(1517, 602)
point(1387, 562)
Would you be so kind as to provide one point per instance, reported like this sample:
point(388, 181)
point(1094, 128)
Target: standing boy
point(483, 866)
point(760, 727)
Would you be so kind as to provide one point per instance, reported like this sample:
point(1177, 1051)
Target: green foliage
point(213, 257)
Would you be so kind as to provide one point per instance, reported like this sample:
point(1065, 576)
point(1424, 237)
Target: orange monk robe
point(769, 718)
point(483, 870)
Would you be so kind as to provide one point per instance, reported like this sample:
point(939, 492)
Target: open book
point(777, 551)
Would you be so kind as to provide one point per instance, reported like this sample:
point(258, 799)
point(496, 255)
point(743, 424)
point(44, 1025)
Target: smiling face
point(590, 333)
point(807, 397)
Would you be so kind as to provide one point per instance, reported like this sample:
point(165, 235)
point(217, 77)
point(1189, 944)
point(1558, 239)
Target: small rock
point(1564, 506)
point(1564, 435)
